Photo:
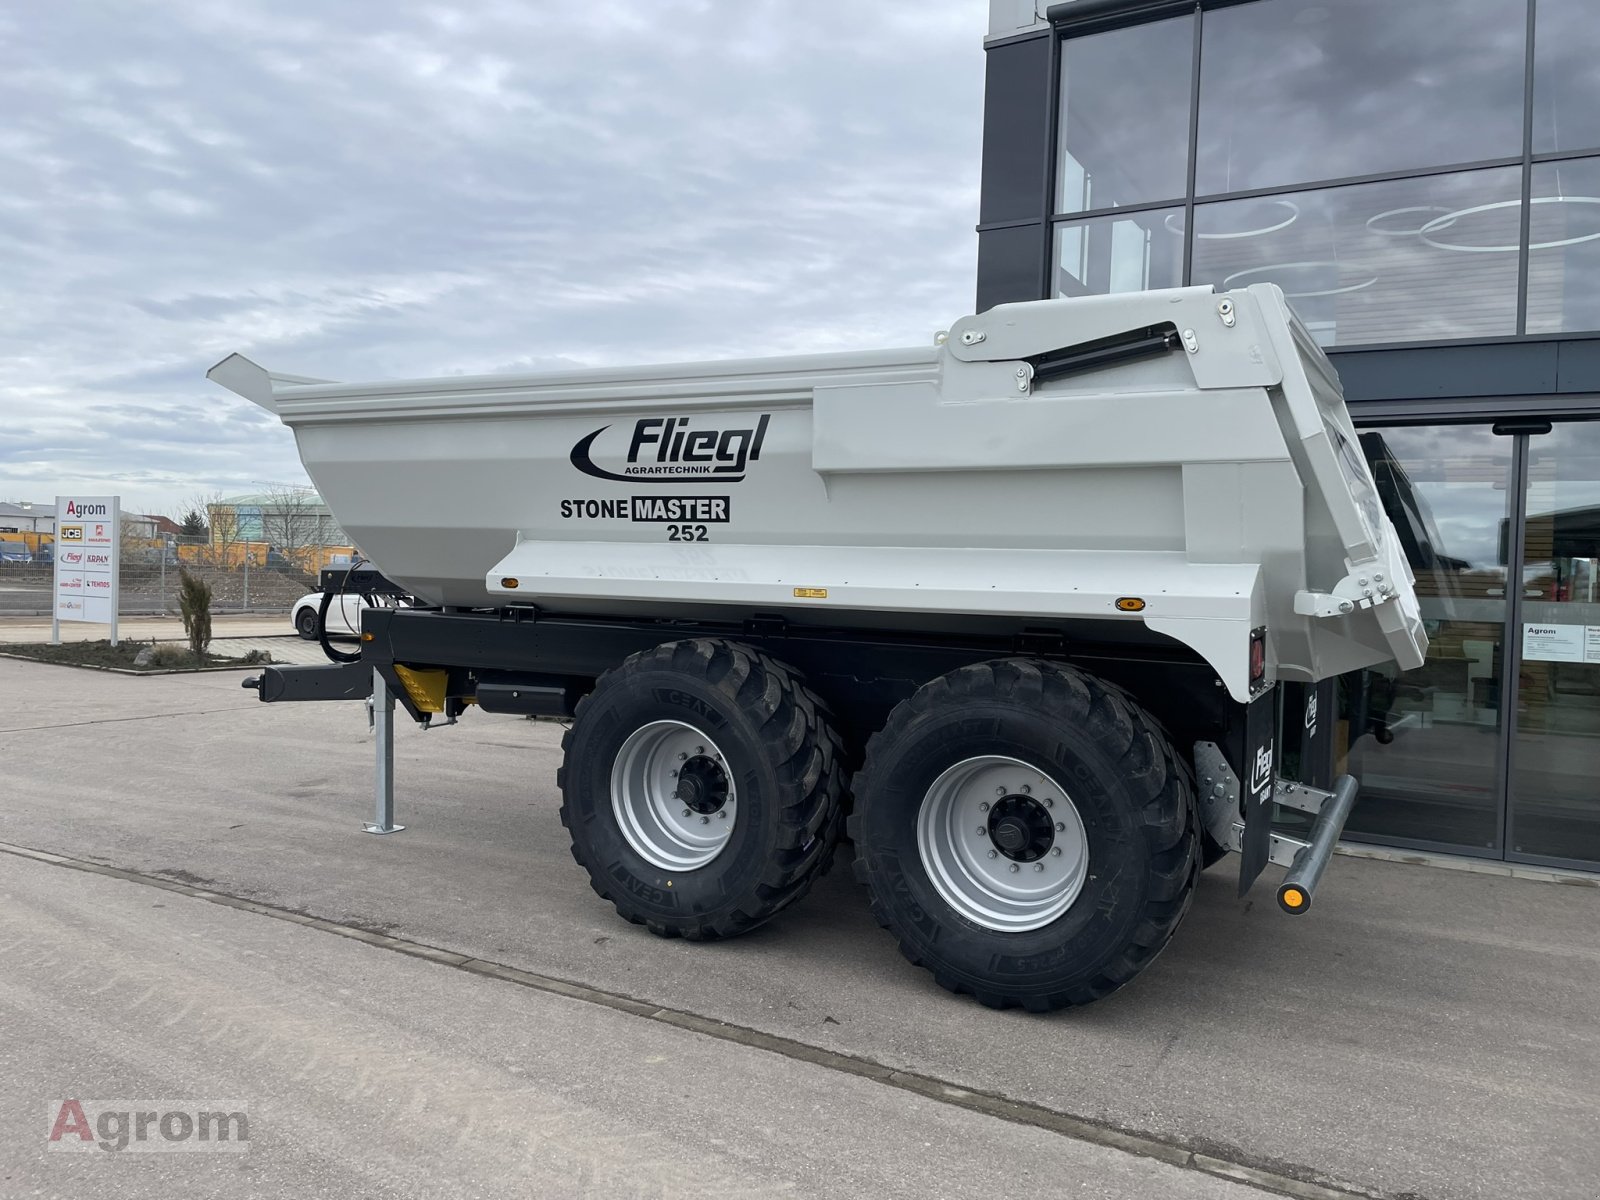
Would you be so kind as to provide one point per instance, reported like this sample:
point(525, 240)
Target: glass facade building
point(1422, 179)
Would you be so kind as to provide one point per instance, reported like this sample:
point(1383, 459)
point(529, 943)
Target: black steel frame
point(861, 672)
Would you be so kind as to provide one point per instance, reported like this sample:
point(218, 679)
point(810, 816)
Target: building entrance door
point(1493, 747)
point(1554, 776)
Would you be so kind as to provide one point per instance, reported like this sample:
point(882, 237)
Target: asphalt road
point(1423, 1032)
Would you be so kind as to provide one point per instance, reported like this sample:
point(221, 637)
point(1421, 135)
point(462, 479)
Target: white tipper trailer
point(1007, 613)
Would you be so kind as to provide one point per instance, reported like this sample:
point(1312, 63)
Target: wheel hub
point(673, 797)
point(1021, 829)
point(1002, 843)
point(703, 785)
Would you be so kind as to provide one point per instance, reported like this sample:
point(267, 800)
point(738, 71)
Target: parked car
point(14, 552)
point(344, 615)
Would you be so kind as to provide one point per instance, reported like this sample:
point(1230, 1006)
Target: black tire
point(305, 624)
point(782, 754)
point(1132, 793)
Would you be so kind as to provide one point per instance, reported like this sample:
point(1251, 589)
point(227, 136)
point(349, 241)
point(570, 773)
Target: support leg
point(383, 776)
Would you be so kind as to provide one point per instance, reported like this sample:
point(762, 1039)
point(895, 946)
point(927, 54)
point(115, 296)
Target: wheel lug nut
point(1015, 868)
point(1056, 852)
point(686, 812)
point(984, 807)
point(699, 749)
point(672, 774)
point(1049, 803)
point(994, 854)
point(1061, 827)
point(705, 820)
point(682, 756)
point(1026, 790)
point(982, 831)
point(1038, 866)
point(723, 814)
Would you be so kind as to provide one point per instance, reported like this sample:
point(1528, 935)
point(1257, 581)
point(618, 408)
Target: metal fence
point(152, 588)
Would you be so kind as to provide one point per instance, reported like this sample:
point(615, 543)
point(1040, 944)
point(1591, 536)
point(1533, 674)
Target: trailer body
point(1160, 493)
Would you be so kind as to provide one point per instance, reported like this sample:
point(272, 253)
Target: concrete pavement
point(365, 1073)
point(1422, 1032)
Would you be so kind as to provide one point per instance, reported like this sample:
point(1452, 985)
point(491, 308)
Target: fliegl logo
point(675, 450)
point(1261, 775)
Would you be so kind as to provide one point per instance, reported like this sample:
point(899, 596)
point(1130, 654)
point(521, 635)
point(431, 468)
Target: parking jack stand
point(382, 712)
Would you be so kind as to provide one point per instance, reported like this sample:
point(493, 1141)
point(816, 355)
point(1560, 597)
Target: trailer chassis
point(435, 663)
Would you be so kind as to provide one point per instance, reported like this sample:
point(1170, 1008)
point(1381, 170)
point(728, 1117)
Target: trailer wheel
point(702, 786)
point(1026, 832)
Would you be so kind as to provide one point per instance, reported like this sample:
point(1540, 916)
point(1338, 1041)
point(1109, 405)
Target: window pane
point(1566, 77)
point(1119, 254)
point(1293, 91)
point(1564, 247)
point(1124, 124)
point(1425, 744)
point(1408, 260)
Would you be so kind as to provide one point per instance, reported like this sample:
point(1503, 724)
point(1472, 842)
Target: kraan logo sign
point(672, 450)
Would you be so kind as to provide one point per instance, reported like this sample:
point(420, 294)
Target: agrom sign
point(88, 562)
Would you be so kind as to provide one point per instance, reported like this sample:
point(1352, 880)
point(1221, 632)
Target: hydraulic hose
point(338, 656)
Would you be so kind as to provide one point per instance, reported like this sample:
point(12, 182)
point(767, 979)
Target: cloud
point(369, 190)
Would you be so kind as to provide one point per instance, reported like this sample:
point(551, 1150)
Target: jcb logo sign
point(72, 533)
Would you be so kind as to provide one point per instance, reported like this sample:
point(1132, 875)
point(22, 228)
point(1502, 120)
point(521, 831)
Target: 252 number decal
point(687, 533)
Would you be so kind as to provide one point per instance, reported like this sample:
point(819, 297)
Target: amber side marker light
point(510, 583)
point(1130, 604)
point(367, 637)
point(1293, 899)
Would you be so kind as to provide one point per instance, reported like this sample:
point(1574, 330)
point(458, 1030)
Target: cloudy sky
point(361, 189)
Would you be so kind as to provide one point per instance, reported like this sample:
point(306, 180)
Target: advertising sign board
point(88, 570)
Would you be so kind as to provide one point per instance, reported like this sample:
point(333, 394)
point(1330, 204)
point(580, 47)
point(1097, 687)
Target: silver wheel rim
point(1002, 843)
point(672, 796)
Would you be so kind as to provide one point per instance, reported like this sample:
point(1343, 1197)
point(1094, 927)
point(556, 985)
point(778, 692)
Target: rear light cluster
point(1258, 658)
